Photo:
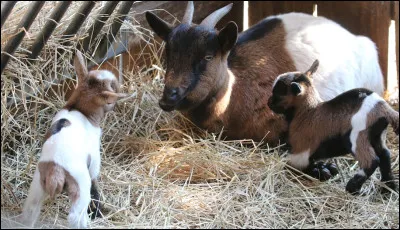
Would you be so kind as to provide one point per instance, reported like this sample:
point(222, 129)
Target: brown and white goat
point(70, 157)
point(354, 122)
point(222, 79)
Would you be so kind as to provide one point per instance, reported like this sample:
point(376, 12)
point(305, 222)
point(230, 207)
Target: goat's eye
point(92, 82)
point(208, 57)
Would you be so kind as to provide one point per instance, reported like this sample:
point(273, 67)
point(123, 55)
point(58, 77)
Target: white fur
point(69, 148)
point(300, 160)
point(359, 120)
point(104, 74)
point(361, 172)
point(346, 61)
point(284, 74)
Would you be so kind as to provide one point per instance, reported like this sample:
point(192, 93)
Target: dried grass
point(158, 170)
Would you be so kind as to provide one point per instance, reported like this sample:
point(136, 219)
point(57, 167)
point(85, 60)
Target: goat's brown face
point(97, 89)
point(289, 87)
point(286, 90)
point(196, 60)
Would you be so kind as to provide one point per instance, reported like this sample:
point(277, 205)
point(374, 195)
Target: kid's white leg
point(80, 196)
point(33, 203)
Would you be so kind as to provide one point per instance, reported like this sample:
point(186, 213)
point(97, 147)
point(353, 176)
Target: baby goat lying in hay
point(355, 121)
point(70, 156)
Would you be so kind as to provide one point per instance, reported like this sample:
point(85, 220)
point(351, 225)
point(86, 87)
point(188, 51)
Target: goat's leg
point(378, 142)
point(320, 170)
point(354, 185)
point(79, 193)
point(33, 203)
point(94, 206)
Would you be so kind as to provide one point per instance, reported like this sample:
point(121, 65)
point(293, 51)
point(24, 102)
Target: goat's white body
point(346, 61)
point(70, 148)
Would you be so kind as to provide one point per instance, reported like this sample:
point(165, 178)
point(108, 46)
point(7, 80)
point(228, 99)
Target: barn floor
point(159, 171)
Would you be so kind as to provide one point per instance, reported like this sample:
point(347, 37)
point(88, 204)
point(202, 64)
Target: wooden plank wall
point(368, 18)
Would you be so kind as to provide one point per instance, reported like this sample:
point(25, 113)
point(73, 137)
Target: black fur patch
point(94, 205)
point(337, 145)
point(255, 32)
point(258, 31)
point(56, 127)
point(353, 97)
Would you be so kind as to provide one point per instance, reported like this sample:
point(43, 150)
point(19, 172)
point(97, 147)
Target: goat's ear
point(296, 88)
point(312, 69)
point(159, 26)
point(111, 97)
point(80, 67)
point(227, 36)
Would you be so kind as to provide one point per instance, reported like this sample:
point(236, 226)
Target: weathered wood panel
point(262, 9)
point(369, 18)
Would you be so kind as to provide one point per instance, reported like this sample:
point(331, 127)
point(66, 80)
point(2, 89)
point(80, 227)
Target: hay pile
point(158, 170)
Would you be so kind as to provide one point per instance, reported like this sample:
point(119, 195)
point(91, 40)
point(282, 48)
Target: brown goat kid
point(222, 79)
point(354, 122)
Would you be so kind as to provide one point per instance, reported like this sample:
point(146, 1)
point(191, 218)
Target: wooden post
point(98, 24)
point(396, 19)
point(6, 8)
point(79, 18)
point(108, 39)
point(48, 28)
point(23, 26)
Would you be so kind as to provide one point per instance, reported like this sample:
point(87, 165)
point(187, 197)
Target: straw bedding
point(158, 170)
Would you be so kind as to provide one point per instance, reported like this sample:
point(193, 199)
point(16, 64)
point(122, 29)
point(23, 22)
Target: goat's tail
point(393, 118)
point(52, 178)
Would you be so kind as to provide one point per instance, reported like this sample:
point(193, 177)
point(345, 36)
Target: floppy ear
point(111, 97)
point(296, 88)
point(312, 69)
point(159, 26)
point(80, 67)
point(227, 36)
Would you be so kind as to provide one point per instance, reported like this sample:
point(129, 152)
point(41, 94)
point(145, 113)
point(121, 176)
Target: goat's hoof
point(322, 171)
point(95, 209)
point(390, 184)
point(332, 168)
point(354, 184)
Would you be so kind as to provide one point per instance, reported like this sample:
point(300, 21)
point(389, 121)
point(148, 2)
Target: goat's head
point(290, 88)
point(97, 89)
point(196, 56)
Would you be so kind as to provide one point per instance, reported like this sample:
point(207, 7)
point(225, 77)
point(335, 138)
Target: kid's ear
point(296, 88)
point(111, 97)
point(80, 67)
point(312, 69)
point(227, 36)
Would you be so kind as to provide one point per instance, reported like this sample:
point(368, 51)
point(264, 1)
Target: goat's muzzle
point(171, 98)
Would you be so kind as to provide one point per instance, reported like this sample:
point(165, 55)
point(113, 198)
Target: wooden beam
point(48, 28)
point(23, 26)
point(6, 8)
point(98, 24)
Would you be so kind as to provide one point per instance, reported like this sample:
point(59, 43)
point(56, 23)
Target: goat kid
point(353, 122)
point(70, 157)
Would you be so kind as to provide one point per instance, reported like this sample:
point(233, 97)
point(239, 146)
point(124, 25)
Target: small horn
point(187, 18)
point(313, 68)
point(211, 20)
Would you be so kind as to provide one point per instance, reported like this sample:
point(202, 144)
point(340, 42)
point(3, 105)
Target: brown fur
point(245, 113)
point(92, 97)
point(214, 103)
point(55, 178)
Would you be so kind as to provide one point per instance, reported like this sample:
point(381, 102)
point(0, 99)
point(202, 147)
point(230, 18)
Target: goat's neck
point(309, 103)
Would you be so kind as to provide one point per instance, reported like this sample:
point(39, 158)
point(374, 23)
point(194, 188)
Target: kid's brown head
point(196, 57)
point(97, 91)
point(289, 89)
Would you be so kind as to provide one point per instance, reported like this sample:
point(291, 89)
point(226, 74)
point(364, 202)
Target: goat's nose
point(171, 94)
